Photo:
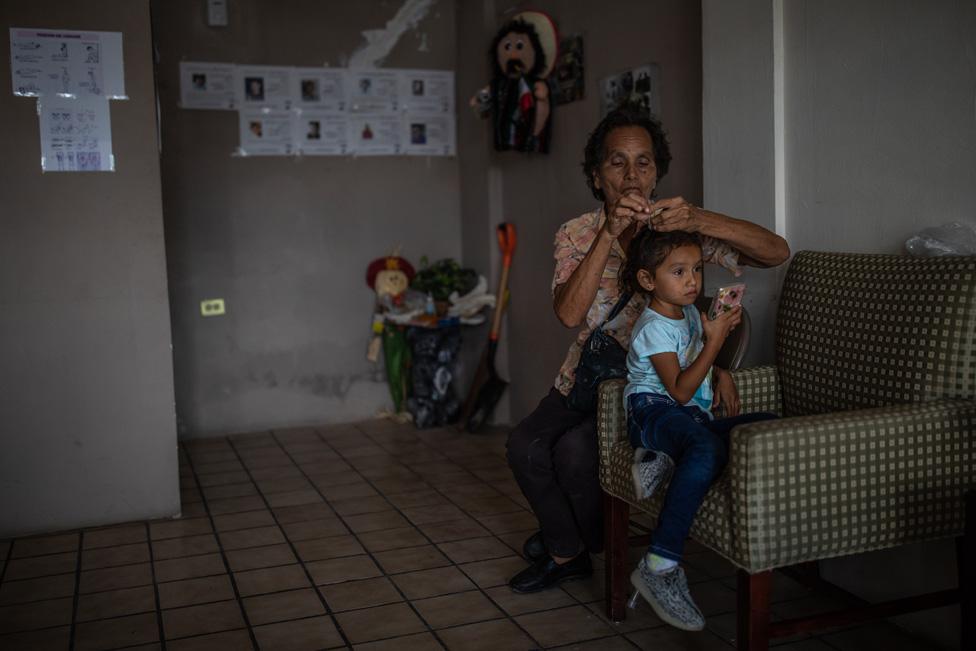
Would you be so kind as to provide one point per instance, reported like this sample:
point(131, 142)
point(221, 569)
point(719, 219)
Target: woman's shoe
point(545, 573)
point(534, 547)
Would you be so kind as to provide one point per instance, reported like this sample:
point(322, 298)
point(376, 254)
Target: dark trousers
point(554, 455)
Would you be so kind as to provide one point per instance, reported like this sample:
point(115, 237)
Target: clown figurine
point(389, 277)
point(523, 54)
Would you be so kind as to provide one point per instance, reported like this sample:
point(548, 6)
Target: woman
point(553, 452)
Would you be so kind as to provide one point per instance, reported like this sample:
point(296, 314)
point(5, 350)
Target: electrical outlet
point(212, 307)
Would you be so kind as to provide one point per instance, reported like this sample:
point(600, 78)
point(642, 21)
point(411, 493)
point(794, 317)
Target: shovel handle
point(506, 243)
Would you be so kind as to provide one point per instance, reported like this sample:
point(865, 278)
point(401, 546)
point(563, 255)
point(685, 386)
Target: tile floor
point(367, 536)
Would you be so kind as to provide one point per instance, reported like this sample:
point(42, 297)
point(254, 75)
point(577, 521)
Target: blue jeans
point(699, 447)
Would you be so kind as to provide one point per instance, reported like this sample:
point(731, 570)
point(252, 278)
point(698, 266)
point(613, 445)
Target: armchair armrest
point(814, 487)
point(758, 388)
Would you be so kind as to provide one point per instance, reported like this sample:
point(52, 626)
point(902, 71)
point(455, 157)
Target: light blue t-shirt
point(654, 333)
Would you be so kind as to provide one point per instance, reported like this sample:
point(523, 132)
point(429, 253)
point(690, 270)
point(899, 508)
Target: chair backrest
point(736, 344)
point(863, 330)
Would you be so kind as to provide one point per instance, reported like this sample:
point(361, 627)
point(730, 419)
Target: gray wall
point(86, 384)
point(540, 192)
point(286, 241)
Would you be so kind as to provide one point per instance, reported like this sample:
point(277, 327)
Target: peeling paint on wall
point(380, 42)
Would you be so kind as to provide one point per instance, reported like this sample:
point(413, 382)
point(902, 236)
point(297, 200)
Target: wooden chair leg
point(616, 517)
point(966, 561)
point(753, 611)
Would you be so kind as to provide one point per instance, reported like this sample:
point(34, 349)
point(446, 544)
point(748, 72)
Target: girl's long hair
point(648, 250)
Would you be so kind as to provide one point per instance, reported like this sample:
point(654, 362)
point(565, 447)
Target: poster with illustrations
point(76, 134)
point(67, 63)
point(639, 86)
point(267, 87)
point(426, 91)
point(427, 135)
point(266, 133)
point(567, 77)
point(375, 134)
point(319, 88)
point(207, 86)
point(320, 133)
point(372, 91)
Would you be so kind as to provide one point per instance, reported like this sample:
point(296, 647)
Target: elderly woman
point(553, 452)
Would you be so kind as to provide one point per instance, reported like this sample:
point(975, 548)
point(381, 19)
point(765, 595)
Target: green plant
point(443, 277)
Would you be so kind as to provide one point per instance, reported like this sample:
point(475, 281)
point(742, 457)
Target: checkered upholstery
point(852, 467)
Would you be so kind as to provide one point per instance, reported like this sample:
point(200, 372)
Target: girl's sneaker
point(650, 474)
point(667, 593)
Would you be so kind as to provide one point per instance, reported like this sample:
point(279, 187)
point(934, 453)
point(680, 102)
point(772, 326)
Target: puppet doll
point(390, 277)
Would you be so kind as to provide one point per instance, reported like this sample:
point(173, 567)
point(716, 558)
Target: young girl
point(669, 398)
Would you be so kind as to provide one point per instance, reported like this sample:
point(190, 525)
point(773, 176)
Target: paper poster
point(67, 63)
point(76, 134)
point(377, 134)
point(320, 133)
point(319, 88)
point(640, 86)
point(267, 87)
point(207, 85)
point(427, 135)
point(426, 91)
point(372, 91)
point(266, 133)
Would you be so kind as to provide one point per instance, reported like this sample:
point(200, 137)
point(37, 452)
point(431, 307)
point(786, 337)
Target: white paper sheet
point(375, 134)
point(427, 135)
point(372, 91)
point(65, 62)
point(267, 87)
point(207, 85)
point(266, 133)
point(76, 134)
point(320, 133)
point(426, 91)
point(319, 88)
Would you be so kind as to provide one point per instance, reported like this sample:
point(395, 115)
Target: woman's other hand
point(624, 211)
point(725, 393)
point(676, 214)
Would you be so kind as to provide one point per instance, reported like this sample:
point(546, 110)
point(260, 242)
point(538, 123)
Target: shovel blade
point(489, 395)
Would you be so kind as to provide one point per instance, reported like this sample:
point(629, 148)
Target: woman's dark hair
point(518, 27)
point(626, 115)
point(647, 251)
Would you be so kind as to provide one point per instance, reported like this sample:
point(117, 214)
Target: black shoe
point(534, 547)
point(545, 573)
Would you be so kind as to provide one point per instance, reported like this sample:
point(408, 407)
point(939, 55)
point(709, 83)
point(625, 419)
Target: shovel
point(487, 388)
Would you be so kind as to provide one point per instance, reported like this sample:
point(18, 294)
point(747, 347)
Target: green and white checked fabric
point(881, 444)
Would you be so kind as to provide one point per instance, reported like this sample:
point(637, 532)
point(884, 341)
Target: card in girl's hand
point(726, 298)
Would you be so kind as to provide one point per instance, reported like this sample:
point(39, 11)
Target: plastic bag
point(954, 238)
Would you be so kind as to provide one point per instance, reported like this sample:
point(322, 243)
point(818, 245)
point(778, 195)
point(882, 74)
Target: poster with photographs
point(426, 91)
point(207, 86)
point(266, 133)
point(267, 87)
point(76, 134)
point(67, 63)
point(567, 76)
point(319, 88)
point(372, 91)
point(375, 134)
point(320, 133)
point(427, 135)
point(640, 87)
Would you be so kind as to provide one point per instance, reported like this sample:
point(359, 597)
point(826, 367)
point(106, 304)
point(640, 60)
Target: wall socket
point(212, 307)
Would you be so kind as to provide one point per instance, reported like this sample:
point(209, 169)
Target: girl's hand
point(725, 393)
point(624, 211)
point(717, 329)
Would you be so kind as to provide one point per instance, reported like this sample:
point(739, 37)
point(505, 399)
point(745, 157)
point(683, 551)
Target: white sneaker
point(667, 593)
point(648, 475)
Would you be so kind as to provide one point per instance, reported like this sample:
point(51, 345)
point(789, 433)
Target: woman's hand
point(676, 214)
point(627, 209)
point(725, 393)
point(717, 329)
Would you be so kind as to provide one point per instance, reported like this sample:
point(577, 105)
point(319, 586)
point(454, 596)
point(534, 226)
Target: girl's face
point(678, 280)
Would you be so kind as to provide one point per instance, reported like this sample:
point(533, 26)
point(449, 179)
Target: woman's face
point(628, 164)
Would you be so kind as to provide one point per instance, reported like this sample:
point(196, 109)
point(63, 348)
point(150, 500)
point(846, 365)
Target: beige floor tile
point(181, 547)
point(190, 567)
point(347, 491)
point(272, 579)
point(454, 530)
point(179, 528)
point(37, 566)
point(293, 498)
point(326, 548)
point(193, 510)
point(42, 545)
point(115, 603)
point(378, 541)
point(416, 642)
point(115, 556)
point(252, 559)
point(238, 640)
point(564, 626)
point(435, 513)
point(52, 639)
point(228, 465)
point(337, 570)
point(48, 587)
point(202, 619)
point(246, 538)
point(586, 590)
point(376, 521)
point(430, 583)
point(282, 606)
point(509, 522)
point(331, 473)
point(111, 536)
point(414, 499)
point(273, 469)
point(615, 643)
point(667, 638)
point(639, 618)
point(497, 571)
point(284, 485)
point(379, 623)
point(455, 609)
point(220, 478)
point(359, 505)
point(311, 529)
point(353, 595)
point(246, 520)
point(114, 578)
point(519, 604)
point(475, 549)
point(303, 513)
point(299, 635)
point(119, 632)
point(236, 504)
point(40, 614)
point(195, 591)
point(479, 507)
point(230, 490)
point(486, 636)
point(396, 561)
